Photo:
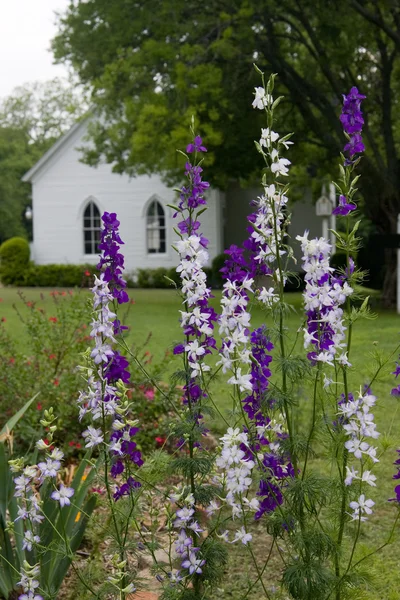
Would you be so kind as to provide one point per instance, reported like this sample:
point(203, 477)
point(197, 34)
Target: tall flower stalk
point(105, 400)
point(197, 321)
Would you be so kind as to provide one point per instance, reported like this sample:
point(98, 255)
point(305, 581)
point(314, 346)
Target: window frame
point(94, 214)
point(155, 201)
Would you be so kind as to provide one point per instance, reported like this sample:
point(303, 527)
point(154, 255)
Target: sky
point(26, 28)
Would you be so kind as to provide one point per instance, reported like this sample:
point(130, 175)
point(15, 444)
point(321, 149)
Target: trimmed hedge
point(156, 278)
point(59, 275)
point(14, 260)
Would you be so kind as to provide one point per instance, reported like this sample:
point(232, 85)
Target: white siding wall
point(61, 188)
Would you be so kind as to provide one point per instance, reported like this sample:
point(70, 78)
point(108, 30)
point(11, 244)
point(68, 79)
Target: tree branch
point(376, 19)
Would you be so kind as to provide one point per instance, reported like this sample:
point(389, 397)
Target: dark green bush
point(14, 261)
point(157, 278)
point(172, 274)
point(338, 260)
point(144, 278)
point(58, 275)
point(216, 266)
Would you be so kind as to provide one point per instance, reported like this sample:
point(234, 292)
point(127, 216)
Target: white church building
point(68, 198)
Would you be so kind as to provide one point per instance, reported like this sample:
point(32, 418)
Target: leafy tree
point(31, 120)
point(154, 63)
point(16, 157)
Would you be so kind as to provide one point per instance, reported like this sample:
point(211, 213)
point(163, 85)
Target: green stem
point(312, 420)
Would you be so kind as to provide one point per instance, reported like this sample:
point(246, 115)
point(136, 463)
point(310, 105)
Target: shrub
point(14, 261)
point(338, 260)
point(55, 335)
point(216, 266)
point(157, 278)
point(143, 278)
point(58, 275)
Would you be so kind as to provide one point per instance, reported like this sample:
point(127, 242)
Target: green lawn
point(155, 313)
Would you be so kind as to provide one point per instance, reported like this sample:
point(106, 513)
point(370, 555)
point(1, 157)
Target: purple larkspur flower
point(344, 207)
point(397, 476)
point(355, 145)
point(196, 146)
point(351, 117)
point(126, 488)
point(352, 120)
point(111, 260)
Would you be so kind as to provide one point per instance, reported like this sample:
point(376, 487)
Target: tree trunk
point(382, 206)
point(390, 279)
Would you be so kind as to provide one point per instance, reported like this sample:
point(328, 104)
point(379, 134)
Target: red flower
point(3, 319)
point(77, 445)
point(12, 360)
point(72, 443)
point(29, 303)
point(56, 382)
point(53, 319)
point(63, 293)
point(132, 302)
point(160, 440)
point(51, 356)
point(38, 406)
point(87, 273)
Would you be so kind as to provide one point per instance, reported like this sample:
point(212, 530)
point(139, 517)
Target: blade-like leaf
point(62, 566)
point(14, 420)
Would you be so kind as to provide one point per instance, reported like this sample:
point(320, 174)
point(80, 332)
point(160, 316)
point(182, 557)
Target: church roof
point(55, 148)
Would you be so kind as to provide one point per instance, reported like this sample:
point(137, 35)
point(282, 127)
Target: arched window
point(91, 228)
point(155, 226)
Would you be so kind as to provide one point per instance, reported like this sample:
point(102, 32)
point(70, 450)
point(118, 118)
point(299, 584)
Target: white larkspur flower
point(243, 381)
point(29, 540)
point(360, 507)
point(92, 436)
point(369, 478)
point(261, 99)
point(279, 165)
point(49, 468)
point(242, 536)
point(267, 137)
point(63, 495)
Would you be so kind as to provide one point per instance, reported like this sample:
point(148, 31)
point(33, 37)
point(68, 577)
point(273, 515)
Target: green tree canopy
point(154, 63)
point(31, 120)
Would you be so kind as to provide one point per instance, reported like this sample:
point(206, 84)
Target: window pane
point(96, 222)
point(160, 210)
point(153, 223)
point(88, 236)
point(88, 247)
point(162, 247)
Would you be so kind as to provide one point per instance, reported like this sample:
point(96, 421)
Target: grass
point(155, 314)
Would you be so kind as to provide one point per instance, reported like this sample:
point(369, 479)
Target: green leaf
point(277, 102)
point(62, 566)
point(9, 426)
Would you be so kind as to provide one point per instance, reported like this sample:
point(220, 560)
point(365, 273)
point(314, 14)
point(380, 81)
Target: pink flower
point(149, 394)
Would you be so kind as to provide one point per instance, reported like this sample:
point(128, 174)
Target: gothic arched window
point(156, 228)
point(91, 228)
